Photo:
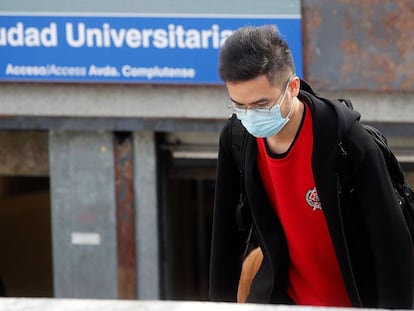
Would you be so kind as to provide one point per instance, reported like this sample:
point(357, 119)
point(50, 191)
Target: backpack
point(403, 192)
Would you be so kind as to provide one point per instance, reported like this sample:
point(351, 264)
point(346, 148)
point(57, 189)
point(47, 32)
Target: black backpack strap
point(393, 166)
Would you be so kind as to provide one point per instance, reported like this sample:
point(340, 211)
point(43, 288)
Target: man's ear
point(294, 86)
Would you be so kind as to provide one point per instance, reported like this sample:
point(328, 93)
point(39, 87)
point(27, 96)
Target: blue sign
point(124, 49)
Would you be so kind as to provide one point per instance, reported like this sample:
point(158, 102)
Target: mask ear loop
point(291, 110)
point(293, 103)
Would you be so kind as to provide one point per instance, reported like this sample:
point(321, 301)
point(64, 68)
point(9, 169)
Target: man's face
point(257, 93)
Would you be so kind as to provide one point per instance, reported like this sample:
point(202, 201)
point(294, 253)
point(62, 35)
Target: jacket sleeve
point(387, 231)
point(227, 242)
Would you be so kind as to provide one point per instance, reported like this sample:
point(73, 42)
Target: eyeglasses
point(261, 108)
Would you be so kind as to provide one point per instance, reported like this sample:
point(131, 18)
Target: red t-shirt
point(314, 274)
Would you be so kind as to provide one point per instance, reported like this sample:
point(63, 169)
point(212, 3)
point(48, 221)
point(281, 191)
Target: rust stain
point(312, 20)
point(371, 40)
point(349, 48)
point(127, 283)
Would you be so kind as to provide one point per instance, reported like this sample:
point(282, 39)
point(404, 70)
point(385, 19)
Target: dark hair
point(252, 51)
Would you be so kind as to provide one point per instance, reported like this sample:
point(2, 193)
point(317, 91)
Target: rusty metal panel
point(359, 45)
point(125, 213)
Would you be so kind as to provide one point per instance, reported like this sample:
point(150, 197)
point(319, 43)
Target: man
point(322, 245)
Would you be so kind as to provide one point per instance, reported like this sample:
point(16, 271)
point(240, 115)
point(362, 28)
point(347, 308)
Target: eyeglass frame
point(242, 109)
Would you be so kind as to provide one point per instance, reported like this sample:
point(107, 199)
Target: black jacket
point(369, 234)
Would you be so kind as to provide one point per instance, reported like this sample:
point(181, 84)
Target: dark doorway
point(25, 237)
point(187, 193)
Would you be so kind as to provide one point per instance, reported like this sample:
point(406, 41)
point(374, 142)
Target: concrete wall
point(175, 102)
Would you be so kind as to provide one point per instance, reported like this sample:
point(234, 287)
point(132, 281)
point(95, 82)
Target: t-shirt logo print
point(313, 199)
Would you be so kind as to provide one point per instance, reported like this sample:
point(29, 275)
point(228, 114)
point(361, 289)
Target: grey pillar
point(83, 214)
point(147, 237)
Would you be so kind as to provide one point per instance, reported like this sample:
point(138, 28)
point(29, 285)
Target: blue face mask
point(265, 124)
